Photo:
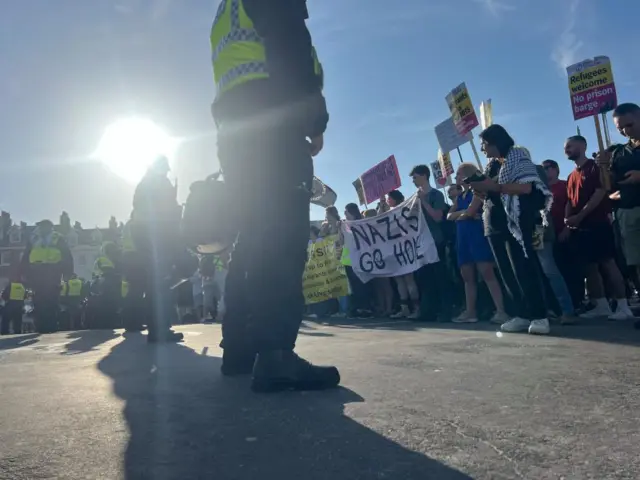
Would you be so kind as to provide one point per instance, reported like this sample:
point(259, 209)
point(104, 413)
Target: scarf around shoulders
point(518, 168)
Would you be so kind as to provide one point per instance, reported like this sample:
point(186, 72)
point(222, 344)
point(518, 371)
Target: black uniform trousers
point(156, 242)
point(12, 315)
point(269, 170)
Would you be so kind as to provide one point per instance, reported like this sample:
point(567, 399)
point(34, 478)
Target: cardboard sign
point(591, 87)
point(462, 112)
point(448, 136)
point(380, 180)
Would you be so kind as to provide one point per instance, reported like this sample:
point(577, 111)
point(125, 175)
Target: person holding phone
point(514, 195)
point(474, 252)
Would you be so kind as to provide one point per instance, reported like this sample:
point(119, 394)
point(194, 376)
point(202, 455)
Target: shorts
point(595, 244)
point(472, 246)
point(629, 223)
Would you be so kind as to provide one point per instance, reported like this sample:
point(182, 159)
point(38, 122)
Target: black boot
point(284, 370)
point(236, 363)
point(165, 337)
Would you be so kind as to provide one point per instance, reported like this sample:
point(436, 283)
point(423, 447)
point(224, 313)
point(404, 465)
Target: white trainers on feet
point(515, 325)
point(539, 327)
point(621, 315)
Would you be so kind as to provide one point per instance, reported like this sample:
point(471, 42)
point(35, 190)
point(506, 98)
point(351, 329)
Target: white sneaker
point(400, 314)
point(539, 327)
point(415, 315)
point(464, 317)
point(515, 325)
point(621, 315)
point(313, 315)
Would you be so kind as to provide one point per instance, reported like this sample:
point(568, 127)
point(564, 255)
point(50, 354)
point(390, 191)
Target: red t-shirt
point(559, 191)
point(581, 185)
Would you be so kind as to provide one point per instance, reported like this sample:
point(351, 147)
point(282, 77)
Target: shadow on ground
point(186, 421)
point(17, 341)
point(83, 341)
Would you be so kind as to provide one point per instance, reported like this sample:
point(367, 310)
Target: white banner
point(448, 136)
point(392, 244)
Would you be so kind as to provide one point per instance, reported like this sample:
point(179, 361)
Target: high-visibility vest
point(63, 289)
point(124, 289)
point(346, 257)
point(48, 254)
point(218, 263)
point(127, 239)
point(17, 292)
point(74, 287)
point(238, 53)
point(102, 264)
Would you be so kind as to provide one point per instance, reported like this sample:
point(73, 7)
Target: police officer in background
point(13, 296)
point(156, 221)
point(46, 261)
point(271, 117)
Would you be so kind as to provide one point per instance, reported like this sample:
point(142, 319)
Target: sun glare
point(128, 147)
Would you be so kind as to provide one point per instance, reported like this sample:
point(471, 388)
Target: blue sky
point(67, 71)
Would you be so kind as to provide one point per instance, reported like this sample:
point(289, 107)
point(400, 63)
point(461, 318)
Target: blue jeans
point(556, 280)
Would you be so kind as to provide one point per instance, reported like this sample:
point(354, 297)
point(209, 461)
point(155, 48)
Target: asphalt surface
point(436, 402)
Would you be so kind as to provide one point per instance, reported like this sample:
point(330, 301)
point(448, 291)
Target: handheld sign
point(394, 243)
point(462, 112)
point(380, 180)
point(448, 136)
point(591, 87)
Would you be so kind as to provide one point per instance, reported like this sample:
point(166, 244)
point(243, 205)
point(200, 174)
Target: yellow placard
point(324, 276)
point(462, 111)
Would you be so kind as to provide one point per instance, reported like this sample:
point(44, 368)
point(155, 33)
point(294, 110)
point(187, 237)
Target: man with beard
point(590, 232)
point(624, 163)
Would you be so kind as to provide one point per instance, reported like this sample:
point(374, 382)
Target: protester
point(360, 298)
point(625, 171)
point(474, 252)
point(433, 279)
point(558, 292)
point(573, 277)
point(513, 193)
point(591, 234)
point(406, 284)
point(331, 224)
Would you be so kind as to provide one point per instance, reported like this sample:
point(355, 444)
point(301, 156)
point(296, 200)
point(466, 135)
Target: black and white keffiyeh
point(518, 168)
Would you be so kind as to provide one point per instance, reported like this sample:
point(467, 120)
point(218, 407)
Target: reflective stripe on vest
point(46, 254)
point(17, 292)
point(101, 264)
point(74, 288)
point(238, 53)
point(345, 259)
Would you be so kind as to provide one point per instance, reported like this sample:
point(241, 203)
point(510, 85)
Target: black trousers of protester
point(572, 270)
point(436, 301)
point(522, 276)
point(270, 171)
point(46, 304)
point(361, 294)
point(157, 247)
point(134, 311)
point(12, 315)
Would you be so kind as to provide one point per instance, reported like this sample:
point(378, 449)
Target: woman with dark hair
point(514, 195)
point(331, 224)
point(407, 288)
point(360, 298)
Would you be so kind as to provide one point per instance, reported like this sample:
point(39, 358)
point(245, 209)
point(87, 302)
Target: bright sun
point(128, 147)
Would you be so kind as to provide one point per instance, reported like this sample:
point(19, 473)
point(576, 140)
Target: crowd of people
point(517, 245)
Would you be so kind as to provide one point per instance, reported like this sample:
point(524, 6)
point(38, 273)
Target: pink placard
point(380, 180)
